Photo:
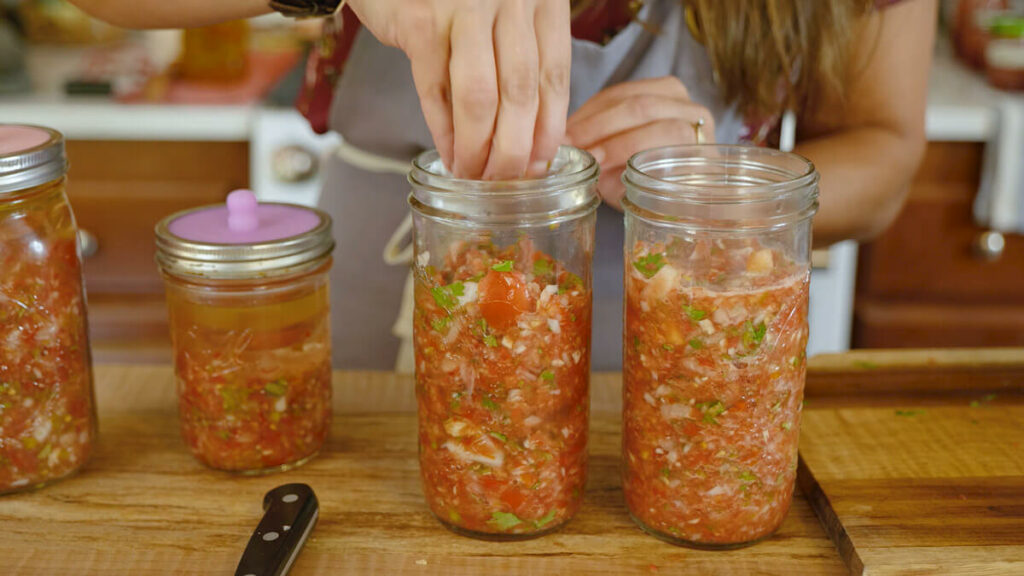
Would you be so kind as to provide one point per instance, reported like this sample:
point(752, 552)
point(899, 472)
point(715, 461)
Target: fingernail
point(537, 168)
point(598, 153)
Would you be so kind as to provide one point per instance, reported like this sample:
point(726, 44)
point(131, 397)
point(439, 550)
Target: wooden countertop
point(145, 506)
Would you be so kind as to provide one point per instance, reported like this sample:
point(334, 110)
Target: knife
point(290, 512)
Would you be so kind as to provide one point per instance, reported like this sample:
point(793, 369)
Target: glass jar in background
point(1004, 55)
point(247, 297)
point(47, 412)
point(216, 53)
point(502, 278)
point(717, 257)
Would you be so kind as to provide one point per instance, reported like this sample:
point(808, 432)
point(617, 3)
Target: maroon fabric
point(324, 67)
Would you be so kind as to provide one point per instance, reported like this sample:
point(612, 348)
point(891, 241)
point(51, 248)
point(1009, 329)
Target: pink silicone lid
point(243, 220)
point(20, 138)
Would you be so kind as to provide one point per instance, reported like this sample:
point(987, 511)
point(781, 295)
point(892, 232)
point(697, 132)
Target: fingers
point(554, 47)
point(517, 71)
point(430, 74)
point(614, 152)
point(474, 91)
point(664, 86)
point(626, 114)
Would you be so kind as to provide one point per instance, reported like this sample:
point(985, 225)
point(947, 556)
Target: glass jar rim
point(639, 177)
point(570, 167)
point(568, 191)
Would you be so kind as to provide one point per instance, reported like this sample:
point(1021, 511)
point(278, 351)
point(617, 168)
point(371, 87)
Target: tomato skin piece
point(503, 297)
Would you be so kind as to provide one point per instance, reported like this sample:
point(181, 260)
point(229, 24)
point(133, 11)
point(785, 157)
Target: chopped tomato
point(254, 374)
point(47, 423)
point(502, 372)
point(503, 298)
point(713, 379)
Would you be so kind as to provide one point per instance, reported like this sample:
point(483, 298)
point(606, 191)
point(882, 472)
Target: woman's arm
point(171, 13)
point(868, 153)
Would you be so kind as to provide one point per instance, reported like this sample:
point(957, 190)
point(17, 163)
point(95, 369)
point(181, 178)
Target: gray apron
point(376, 110)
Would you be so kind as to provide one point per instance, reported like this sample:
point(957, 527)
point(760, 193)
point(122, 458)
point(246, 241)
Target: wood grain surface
point(145, 506)
point(932, 485)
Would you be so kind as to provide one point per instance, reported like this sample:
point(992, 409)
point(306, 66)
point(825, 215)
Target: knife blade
point(290, 512)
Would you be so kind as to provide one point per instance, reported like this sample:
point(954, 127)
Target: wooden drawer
point(928, 255)
point(879, 324)
point(119, 191)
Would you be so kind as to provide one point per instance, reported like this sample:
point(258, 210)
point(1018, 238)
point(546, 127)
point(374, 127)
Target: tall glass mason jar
point(247, 297)
point(502, 279)
point(717, 258)
point(47, 412)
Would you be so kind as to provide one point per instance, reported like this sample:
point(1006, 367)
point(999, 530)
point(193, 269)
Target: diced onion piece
point(761, 262)
point(662, 283)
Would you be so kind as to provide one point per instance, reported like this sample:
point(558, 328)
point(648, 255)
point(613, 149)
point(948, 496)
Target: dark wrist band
point(305, 8)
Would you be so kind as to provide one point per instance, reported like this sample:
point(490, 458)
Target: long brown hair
point(770, 54)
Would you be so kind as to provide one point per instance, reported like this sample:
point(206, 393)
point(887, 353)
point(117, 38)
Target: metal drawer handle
point(293, 164)
point(989, 246)
point(88, 243)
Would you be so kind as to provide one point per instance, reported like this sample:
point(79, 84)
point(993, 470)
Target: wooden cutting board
point(908, 482)
point(144, 506)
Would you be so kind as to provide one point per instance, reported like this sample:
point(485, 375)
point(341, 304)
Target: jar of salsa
point(717, 259)
point(247, 297)
point(47, 412)
point(502, 278)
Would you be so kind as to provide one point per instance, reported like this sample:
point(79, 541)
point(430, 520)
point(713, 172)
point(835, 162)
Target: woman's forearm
point(865, 176)
point(173, 13)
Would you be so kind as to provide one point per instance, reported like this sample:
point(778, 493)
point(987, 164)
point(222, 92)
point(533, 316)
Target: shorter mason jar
point(47, 412)
point(502, 283)
point(247, 296)
point(717, 259)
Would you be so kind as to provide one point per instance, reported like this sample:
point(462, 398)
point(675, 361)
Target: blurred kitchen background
point(165, 120)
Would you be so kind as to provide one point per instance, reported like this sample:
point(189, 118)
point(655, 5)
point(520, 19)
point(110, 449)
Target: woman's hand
point(626, 118)
point(492, 76)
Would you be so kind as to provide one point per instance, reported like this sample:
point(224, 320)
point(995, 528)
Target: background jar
point(247, 297)
point(502, 281)
point(717, 258)
point(47, 412)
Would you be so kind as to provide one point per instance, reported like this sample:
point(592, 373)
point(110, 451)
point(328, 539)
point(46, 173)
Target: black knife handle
point(290, 514)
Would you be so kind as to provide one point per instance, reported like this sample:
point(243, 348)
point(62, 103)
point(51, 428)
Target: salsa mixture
point(502, 339)
point(254, 379)
point(47, 424)
point(713, 385)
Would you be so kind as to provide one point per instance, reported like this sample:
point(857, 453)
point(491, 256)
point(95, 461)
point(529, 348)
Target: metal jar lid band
point(35, 166)
point(180, 257)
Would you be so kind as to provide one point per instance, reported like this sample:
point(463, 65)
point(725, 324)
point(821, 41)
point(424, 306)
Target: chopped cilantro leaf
point(650, 264)
point(754, 334)
point(571, 281)
point(504, 520)
point(695, 314)
point(503, 266)
point(668, 347)
point(541, 267)
point(440, 323)
point(490, 341)
point(277, 387)
point(787, 425)
point(711, 410)
point(665, 472)
point(748, 477)
point(547, 375)
point(696, 344)
point(447, 297)
point(545, 520)
point(488, 403)
point(499, 436)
